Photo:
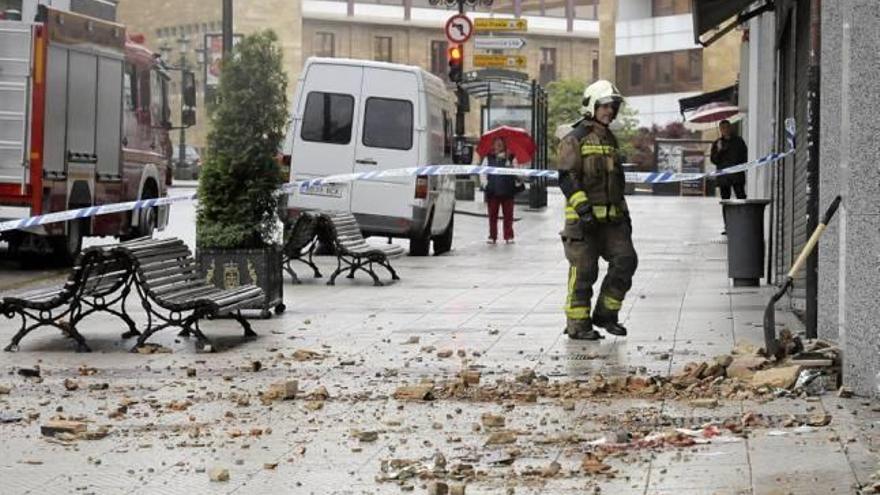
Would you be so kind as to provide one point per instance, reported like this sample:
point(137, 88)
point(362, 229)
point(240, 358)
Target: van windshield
point(327, 118)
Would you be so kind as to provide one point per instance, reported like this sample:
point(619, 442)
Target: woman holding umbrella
point(500, 191)
point(504, 146)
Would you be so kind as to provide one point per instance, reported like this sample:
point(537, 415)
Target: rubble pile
point(745, 374)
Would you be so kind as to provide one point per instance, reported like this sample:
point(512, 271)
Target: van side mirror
point(189, 89)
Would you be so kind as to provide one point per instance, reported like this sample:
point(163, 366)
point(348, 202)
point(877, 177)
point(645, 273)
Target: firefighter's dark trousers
point(613, 242)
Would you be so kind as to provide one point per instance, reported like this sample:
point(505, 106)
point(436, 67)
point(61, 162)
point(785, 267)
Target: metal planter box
point(229, 268)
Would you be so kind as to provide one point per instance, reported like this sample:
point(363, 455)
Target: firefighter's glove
point(585, 212)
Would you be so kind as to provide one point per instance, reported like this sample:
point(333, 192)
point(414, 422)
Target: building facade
point(658, 62)
point(817, 63)
point(178, 30)
point(562, 40)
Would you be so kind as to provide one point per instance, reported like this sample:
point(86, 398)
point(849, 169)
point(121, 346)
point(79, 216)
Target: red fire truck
point(84, 121)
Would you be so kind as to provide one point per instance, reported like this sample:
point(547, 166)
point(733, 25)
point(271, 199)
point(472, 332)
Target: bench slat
point(160, 292)
point(191, 295)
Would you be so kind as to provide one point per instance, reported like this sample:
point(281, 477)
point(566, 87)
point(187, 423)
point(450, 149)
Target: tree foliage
point(625, 128)
point(564, 107)
point(237, 188)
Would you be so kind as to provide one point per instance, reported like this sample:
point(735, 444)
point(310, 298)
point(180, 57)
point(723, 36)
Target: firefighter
point(597, 221)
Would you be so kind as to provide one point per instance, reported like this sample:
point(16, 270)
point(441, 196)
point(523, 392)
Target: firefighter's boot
point(607, 320)
point(582, 330)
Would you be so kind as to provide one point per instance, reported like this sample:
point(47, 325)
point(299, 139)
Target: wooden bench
point(172, 291)
point(300, 245)
point(352, 251)
point(97, 283)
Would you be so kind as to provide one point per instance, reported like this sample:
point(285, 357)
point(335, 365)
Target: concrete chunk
point(285, 390)
point(438, 488)
point(490, 420)
point(218, 474)
point(58, 426)
point(744, 367)
point(415, 392)
point(784, 377)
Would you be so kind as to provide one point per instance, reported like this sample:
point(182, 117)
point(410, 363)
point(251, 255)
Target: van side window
point(327, 118)
point(388, 123)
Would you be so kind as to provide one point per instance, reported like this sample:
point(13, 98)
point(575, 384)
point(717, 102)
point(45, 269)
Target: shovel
point(770, 342)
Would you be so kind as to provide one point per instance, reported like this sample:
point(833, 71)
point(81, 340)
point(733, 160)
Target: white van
point(357, 116)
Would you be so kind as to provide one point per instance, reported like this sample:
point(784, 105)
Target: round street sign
point(459, 29)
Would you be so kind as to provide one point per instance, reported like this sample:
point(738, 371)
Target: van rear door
point(389, 139)
point(324, 133)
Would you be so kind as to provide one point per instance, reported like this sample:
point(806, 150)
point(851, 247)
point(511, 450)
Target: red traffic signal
point(455, 56)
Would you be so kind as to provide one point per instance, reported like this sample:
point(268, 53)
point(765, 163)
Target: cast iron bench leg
point(70, 330)
point(203, 343)
point(248, 330)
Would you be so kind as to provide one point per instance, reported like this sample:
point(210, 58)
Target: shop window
point(325, 44)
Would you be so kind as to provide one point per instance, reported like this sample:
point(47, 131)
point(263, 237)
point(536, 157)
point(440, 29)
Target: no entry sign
point(459, 29)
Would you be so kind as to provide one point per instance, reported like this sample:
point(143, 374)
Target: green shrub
point(237, 188)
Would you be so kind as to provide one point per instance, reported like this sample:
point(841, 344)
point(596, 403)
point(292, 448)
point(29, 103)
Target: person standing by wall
point(727, 151)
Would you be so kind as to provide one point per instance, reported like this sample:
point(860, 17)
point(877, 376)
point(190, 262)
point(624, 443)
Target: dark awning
point(710, 14)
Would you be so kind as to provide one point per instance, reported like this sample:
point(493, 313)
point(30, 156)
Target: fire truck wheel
point(148, 222)
point(67, 248)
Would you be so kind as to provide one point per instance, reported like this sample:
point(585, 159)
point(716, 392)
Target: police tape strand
point(630, 177)
point(433, 170)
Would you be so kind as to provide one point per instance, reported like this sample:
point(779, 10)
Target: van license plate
point(331, 190)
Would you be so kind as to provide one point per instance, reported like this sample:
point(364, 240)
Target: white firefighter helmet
point(600, 93)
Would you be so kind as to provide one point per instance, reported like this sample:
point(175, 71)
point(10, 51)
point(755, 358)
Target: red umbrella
point(519, 142)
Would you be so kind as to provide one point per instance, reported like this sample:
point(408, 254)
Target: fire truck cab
point(84, 121)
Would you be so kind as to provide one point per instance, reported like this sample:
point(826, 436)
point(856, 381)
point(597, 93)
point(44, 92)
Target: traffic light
point(456, 63)
point(189, 89)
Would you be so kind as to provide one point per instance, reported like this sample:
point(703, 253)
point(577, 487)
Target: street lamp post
point(184, 46)
point(187, 92)
point(227, 28)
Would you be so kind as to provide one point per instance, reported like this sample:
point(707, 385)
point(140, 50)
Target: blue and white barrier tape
point(91, 211)
point(632, 177)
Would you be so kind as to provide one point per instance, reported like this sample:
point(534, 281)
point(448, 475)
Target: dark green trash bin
point(744, 223)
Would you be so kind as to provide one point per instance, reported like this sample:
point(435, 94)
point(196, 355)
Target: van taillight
point(421, 187)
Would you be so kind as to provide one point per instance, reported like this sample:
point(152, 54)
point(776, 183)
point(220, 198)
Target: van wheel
point(420, 246)
point(443, 242)
point(67, 248)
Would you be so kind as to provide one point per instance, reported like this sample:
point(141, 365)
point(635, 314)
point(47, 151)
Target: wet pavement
point(494, 311)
